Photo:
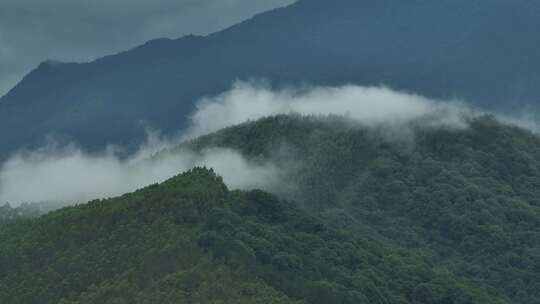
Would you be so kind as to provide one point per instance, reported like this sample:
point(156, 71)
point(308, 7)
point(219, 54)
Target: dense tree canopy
point(469, 197)
point(441, 216)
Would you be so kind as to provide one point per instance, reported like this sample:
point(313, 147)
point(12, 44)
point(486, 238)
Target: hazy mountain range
point(486, 52)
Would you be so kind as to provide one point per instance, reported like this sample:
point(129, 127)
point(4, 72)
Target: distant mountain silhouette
point(487, 52)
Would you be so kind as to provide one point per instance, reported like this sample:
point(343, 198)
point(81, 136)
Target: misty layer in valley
point(57, 173)
point(66, 175)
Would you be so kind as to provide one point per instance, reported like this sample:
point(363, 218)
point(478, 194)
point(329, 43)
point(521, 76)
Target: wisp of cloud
point(70, 175)
point(369, 106)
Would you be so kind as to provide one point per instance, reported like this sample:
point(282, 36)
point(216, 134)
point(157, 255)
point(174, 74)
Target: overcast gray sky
point(32, 31)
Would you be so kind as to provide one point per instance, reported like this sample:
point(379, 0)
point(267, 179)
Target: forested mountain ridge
point(470, 195)
point(190, 239)
point(482, 51)
point(446, 215)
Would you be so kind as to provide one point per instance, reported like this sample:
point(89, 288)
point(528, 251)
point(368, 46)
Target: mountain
point(484, 51)
point(191, 240)
point(442, 215)
point(468, 195)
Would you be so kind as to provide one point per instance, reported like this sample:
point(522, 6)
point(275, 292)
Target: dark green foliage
point(191, 240)
point(443, 217)
point(468, 198)
point(138, 248)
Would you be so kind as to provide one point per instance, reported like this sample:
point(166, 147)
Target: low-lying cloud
point(70, 175)
point(369, 106)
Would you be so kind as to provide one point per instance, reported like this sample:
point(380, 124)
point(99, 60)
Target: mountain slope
point(470, 196)
point(441, 216)
point(484, 51)
point(417, 214)
point(191, 240)
point(139, 248)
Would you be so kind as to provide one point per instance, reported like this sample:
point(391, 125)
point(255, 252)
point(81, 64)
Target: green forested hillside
point(470, 197)
point(190, 240)
point(441, 216)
